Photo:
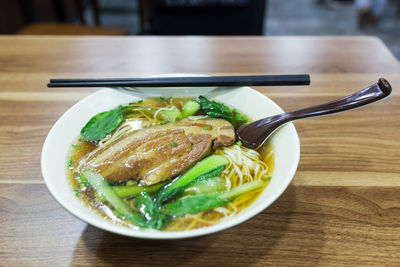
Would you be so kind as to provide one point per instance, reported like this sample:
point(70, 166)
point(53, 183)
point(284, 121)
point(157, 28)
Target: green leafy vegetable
point(76, 192)
point(201, 202)
point(82, 180)
point(209, 185)
point(208, 167)
point(218, 110)
point(189, 109)
point(102, 124)
point(136, 218)
point(173, 144)
point(243, 189)
point(101, 186)
point(194, 204)
point(70, 165)
point(173, 113)
point(207, 128)
point(74, 145)
point(238, 117)
point(105, 191)
point(170, 114)
point(155, 217)
point(129, 191)
point(204, 186)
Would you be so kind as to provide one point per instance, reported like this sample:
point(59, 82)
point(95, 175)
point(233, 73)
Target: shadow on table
point(260, 240)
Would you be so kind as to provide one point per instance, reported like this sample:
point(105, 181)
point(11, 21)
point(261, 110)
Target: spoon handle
point(371, 94)
point(254, 134)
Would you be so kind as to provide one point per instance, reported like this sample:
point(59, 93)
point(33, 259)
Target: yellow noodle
point(245, 198)
point(245, 165)
point(192, 224)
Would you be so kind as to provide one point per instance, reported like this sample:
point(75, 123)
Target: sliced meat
point(158, 153)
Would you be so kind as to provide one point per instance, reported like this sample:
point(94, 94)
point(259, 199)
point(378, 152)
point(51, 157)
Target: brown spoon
point(253, 135)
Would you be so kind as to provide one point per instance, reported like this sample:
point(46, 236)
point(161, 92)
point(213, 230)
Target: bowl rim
point(154, 234)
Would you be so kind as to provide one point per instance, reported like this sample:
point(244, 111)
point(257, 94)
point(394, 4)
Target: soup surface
point(134, 144)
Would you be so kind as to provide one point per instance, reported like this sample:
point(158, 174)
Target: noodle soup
point(154, 120)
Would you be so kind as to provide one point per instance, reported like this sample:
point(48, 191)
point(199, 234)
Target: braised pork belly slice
point(158, 153)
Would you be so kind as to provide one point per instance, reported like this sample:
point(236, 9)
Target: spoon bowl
point(253, 135)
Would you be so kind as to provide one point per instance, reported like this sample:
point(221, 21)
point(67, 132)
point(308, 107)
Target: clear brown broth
point(80, 148)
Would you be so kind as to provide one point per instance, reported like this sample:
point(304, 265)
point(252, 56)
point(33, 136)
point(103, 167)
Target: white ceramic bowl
point(285, 143)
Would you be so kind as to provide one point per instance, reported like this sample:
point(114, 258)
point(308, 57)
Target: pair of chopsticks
point(259, 80)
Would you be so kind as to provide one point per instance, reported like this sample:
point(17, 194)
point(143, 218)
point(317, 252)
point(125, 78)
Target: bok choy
point(210, 185)
point(106, 192)
point(201, 202)
point(208, 167)
point(218, 110)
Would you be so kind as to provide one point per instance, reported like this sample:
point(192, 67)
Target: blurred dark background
point(379, 18)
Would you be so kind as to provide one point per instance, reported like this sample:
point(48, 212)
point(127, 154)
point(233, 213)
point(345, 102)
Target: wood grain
point(342, 208)
point(152, 55)
point(334, 144)
point(307, 226)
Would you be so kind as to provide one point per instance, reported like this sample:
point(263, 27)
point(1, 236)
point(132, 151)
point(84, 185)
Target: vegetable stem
point(189, 109)
point(210, 185)
point(202, 202)
point(242, 190)
point(204, 186)
point(170, 114)
point(127, 191)
point(208, 167)
point(101, 186)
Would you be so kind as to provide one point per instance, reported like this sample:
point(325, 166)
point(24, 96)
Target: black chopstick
point(260, 80)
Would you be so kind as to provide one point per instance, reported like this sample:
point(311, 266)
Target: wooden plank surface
point(342, 208)
point(96, 55)
point(307, 226)
point(336, 144)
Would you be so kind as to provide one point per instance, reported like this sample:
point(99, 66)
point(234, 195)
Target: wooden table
point(342, 208)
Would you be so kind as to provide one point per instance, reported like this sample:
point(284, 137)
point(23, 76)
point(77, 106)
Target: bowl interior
point(285, 143)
